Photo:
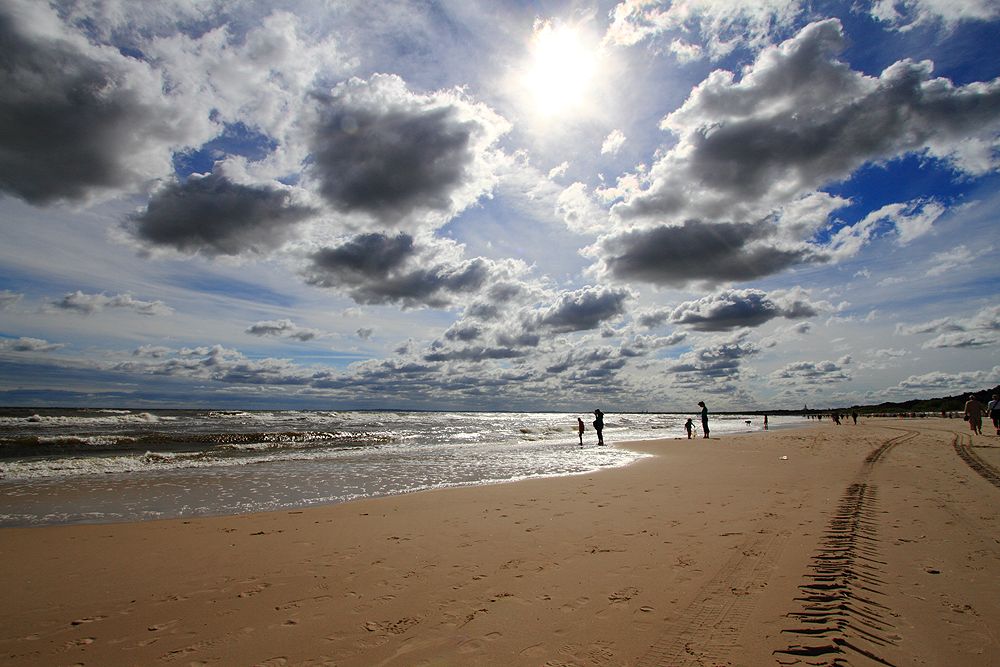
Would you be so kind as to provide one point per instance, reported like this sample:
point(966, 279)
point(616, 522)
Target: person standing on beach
point(689, 427)
point(704, 417)
point(854, 416)
point(599, 426)
point(974, 414)
point(994, 408)
point(580, 429)
point(765, 422)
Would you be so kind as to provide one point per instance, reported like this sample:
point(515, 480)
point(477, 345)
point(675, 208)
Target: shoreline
point(704, 548)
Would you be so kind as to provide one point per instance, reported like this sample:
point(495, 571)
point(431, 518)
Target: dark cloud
point(474, 353)
point(699, 252)
point(584, 309)
point(381, 269)
point(283, 329)
point(215, 216)
point(74, 121)
point(388, 164)
point(733, 309)
point(383, 151)
point(587, 360)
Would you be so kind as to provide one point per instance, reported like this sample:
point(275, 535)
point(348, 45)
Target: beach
point(871, 544)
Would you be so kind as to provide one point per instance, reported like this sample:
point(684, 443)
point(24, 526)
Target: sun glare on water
point(561, 69)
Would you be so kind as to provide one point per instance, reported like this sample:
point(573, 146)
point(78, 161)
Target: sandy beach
point(872, 544)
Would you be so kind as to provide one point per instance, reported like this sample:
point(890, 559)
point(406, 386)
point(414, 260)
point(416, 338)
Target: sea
point(64, 466)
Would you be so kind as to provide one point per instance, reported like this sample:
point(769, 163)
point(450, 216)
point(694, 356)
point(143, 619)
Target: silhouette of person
point(689, 427)
point(994, 408)
point(580, 429)
point(974, 413)
point(599, 426)
point(765, 422)
point(704, 417)
point(854, 416)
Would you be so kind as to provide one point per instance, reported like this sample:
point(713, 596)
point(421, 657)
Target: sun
point(561, 69)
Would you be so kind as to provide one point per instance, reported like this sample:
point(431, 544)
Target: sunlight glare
point(561, 69)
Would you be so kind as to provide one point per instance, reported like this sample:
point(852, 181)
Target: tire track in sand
point(963, 447)
point(840, 621)
point(712, 624)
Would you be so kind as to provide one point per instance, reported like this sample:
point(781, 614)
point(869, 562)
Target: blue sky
point(477, 205)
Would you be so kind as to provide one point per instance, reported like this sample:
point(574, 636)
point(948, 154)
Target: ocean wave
point(117, 417)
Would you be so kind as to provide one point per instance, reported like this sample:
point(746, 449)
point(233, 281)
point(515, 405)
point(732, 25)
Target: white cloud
point(908, 14)
point(979, 330)
point(951, 383)
point(579, 211)
point(959, 256)
point(8, 299)
point(559, 170)
point(613, 142)
point(722, 26)
point(94, 303)
point(800, 118)
point(25, 344)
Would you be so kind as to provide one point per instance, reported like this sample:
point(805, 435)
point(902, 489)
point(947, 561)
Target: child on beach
point(580, 429)
point(689, 427)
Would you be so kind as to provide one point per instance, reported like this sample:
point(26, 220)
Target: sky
point(480, 205)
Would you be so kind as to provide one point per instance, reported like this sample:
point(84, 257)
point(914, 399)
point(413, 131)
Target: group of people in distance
point(598, 424)
point(974, 413)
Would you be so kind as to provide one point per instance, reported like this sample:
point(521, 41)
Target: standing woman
point(974, 414)
point(599, 426)
point(579, 429)
point(704, 417)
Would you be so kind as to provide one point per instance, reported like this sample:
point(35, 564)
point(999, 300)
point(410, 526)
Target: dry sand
point(869, 545)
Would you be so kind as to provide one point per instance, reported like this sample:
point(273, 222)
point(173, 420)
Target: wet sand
point(868, 545)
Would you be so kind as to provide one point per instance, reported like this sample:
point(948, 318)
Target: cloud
point(713, 366)
point(721, 25)
point(559, 170)
point(952, 383)
point(213, 215)
point(979, 330)
point(732, 309)
point(579, 211)
point(948, 261)
point(24, 344)
point(808, 372)
point(381, 269)
point(365, 333)
point(584, 309)
point(78, 118)
point(88, 304)
point(613, 142)
point(905, 15)
point(402, 159)
point(708, 252)
point(219, 364)
point(8, 299)
point(800, 118)
point(283, 329)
